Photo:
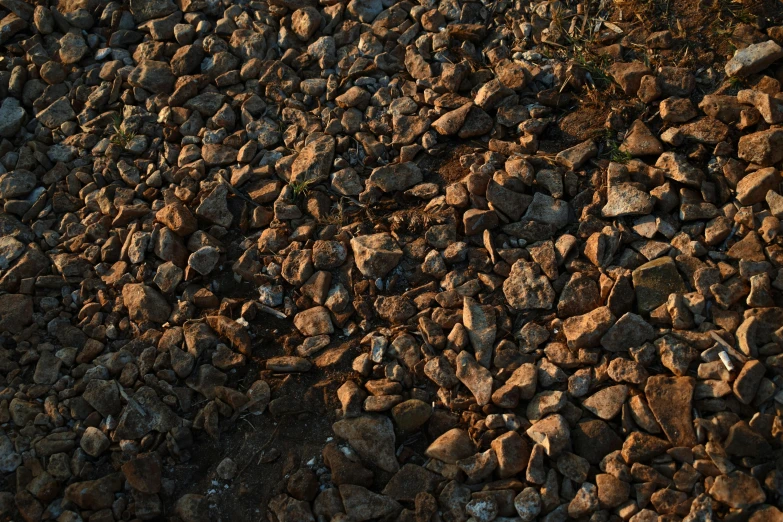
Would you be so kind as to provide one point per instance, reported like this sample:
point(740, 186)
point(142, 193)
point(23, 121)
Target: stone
point(764, 148)
point(16, 312)
point(640, 141)
point(670, 399)
point(606, 403)
point(526, 288)
point(754, 58)
point(12, 117)
point(313, 162)
point(144, 303)
point(737, 490)
point(629, 75)
point(577, 155)
point(630, 331)
point(753, 188)
point(373, 439)
point(512, 453)
point(376, 254)
point(654, 281)
point(451, 446)
point(552, 433)
point(396, 177)
point(153, 76)
point(314, 321)
point(411, 415)
point(627, 199)
point(475, 377)
point(480, 324)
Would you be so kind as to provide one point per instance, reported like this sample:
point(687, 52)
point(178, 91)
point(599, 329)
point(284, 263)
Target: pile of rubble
point(538, 329)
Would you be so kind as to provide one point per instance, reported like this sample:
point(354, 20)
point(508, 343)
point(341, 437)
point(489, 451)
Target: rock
point(144, 303)
point(16, 312)
point(585, 331)
point(451, 122)
point(475, 377)
point(481, 328)
point(577, 155)
point(607, 402)
point(737, 490)
point(411, 481)
point(314, 321)
point(365, 10)
point(754, 58)
point(753, 188)
point(376, 255)
point(17, 183)
point(411, 415)
point(527, 288)
point(153, 76)
point(654, 281)
point(373, 439)
point(677, 167)
point(593, 439)
point(362, 504)
point(94, 442)
point(630, 331)
point(639, 141)
point(629, 75)
point(396, 177)
point(747, 383)
point(528, 504)
point(512, 453)
point(12, 117)
point(94, 494)
point(314, 161)
point(670, 399)
point(452, 446)
point(143, 473)
point(552, 433)
point(192, 508)
point(764, 148)
point(626, 199)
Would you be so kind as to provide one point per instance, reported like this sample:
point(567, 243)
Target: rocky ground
point(454, 261)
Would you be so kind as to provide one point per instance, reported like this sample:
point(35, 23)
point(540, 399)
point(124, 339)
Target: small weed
point(612, 151)
point(301, 188)
point(595, 66)
point(121, 137)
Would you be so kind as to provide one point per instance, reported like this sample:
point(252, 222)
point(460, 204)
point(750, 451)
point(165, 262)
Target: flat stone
point(754, 58)
point(671, 401)
point(373, 439)
point(654, 281)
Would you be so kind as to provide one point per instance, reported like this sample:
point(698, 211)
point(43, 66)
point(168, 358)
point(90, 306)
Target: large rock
point(143, 10)
point(314, 161)
point(16, 183)
point(144, 303)
point(57, 113)
point(12, 116)
point(397, 176)
point(737, 490)
point(764, 148)
point(754, 58)
point(527, 288)
point(671, 401)
point(654, 281)
point(153, 76)
point(16, 312)
point(373, 439)
point(475, 377)
point(362, 504)
point(376, 254)
point(480, 324)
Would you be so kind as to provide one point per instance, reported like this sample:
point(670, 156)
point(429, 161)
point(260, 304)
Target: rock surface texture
point(399, 261)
